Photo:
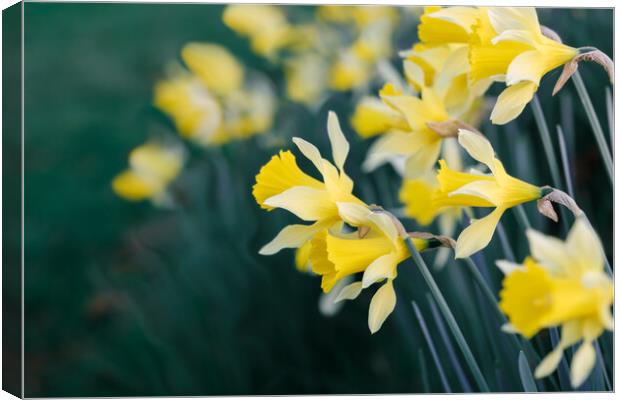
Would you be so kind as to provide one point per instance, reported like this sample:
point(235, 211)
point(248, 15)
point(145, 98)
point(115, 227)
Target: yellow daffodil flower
point(306, 77)
point(152, 166)
point(336, 256)
point(440, 26)
point(562, 284)
point(361, 16)
point(373, 117)
point(509, 44)
point(281, 184)
point(498, 190)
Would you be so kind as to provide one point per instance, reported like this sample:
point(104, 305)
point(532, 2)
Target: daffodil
point(218, 69)
point(562, 284)
point(265, 25)
point(498, 190)
point(152, 166)
point(282, 184)
point(336, 256)
point(360, 16)
point(306, 77)
point(509, 45)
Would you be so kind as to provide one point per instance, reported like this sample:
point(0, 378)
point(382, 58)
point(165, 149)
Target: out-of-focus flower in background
point(562, 284)
point(216, 100)
point(152, 166)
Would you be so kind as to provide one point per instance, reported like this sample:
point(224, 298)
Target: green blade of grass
point(547, 143)
point(596, 125)
point(527, 379)
point(445, 310)
point(431, 348)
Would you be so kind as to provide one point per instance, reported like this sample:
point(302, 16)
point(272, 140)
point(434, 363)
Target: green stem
point(522, 217)
point(547, 143)
point(596, 125)
point(445, 310)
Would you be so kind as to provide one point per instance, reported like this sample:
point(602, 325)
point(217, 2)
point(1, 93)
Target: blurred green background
point(126, 299)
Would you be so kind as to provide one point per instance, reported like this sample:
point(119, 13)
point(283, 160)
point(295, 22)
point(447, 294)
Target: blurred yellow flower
point(215, 101)
point(360, 16)
point(265, 25)
point(564, 284)
point(152, 166)
point(281, 184)
point(516, 49)
point(498, 190)
point(306, 77)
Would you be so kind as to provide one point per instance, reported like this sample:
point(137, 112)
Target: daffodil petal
point(525, 67)
point(382, 268)
point(478, 234)
point(512, 101)
point(507, 267)
point(349, 292)
point(384, 223)
point(413, 73)
point(549, 363)
point(483, 189)
point(582, 364)
point(514, 35)
point(292, 236)
point(310, 152)
point(478, 147)
point(381, 306)
point(305, 202)
point(353, 213)
point(508, 18)
point(388, 147)
point(585, 246)
point(340, 145)
point(549, 251)
point(423, 159)
point(328, 302)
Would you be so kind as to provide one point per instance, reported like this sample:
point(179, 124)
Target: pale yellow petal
point(582, 364)
point(512, 101)
point(216, 66)
point(292, 236)
point(507, 267)
point(550, 252)
point(384, 223)
point(486, 190)
point(585, 247)
point(310, 152)
point(423, 159)
point(328, 302)
point(478, 147)
point(382, 268)
point(307, 203)
point(349, 292)
point(381, 306)
point(506, 18)
point(549, 363)
point(389, 146)
point(353, 213)
point(340, 145)
point(525, 67)
point(414, 73)
point(478, 234)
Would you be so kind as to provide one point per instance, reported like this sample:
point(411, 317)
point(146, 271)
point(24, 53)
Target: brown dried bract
point(545, 206)
point(444, 241)
point(570, 67)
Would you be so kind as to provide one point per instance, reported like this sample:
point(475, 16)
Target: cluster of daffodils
point(424, 124)
point(338, 50)
point(344, 236)
point(212, 101)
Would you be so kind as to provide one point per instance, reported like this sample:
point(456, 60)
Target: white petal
point(382, 268)
point(478, 147)
point(340, 146)
point(292, 236)
point(507, 267)
point(478, 234)
point(307, 203)
point(310, 152)
point(381, 306)
point(349, 292)
point(585, 246)
point(353, 213)
point(582, 364)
